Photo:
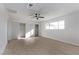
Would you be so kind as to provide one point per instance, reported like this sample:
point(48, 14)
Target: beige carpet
point(39, 46)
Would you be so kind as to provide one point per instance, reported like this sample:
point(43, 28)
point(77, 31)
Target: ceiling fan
point(37, 16)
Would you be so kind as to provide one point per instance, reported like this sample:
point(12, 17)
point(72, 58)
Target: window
point(61, 24)
point(55, 25)
point(47, 25)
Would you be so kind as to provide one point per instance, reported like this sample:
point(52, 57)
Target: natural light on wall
point(27, 35)
point(55, 25)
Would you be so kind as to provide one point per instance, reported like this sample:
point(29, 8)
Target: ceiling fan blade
point(41, 17)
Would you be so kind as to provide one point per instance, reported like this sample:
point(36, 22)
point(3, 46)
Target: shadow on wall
point(55, 25)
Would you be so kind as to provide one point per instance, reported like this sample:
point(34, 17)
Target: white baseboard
point(60, 40)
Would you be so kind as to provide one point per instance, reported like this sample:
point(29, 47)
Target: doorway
point(36, 30)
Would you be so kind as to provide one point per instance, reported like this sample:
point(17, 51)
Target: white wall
point(3, 28)
point(71, 32)
point(13, 30)
point(9, 30)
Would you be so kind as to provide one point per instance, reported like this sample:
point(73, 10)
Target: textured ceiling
point(48, 10)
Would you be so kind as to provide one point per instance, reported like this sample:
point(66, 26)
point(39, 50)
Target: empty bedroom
point(39, 28)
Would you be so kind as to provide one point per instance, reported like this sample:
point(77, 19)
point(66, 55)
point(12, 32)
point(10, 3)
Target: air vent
point(12, 11)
